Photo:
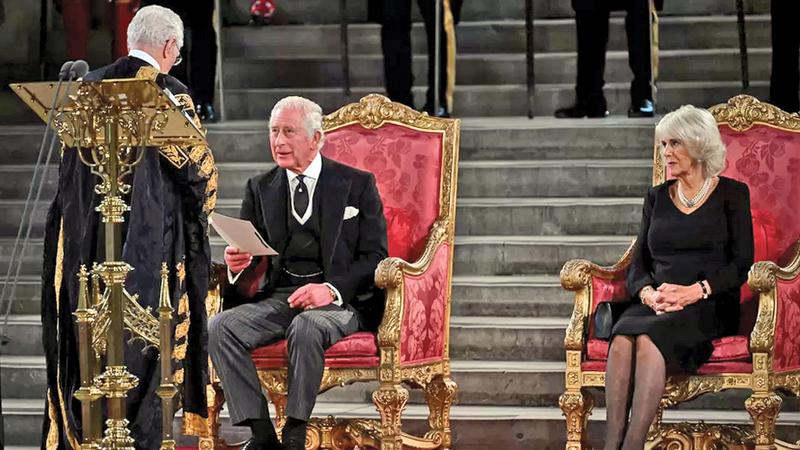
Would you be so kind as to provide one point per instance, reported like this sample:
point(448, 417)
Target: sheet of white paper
point(240, 234)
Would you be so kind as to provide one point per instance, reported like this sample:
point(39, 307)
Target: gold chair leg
point(279, 400)
point(764, 409)
point(577, 407)
point(440, 394)
point(216, 399)
point(390, 400)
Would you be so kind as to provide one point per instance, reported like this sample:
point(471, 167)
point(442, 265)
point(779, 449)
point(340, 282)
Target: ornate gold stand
point(110, 123)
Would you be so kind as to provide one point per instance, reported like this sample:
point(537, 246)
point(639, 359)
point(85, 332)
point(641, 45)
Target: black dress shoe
point(251, 445)
point(441, 112)
point(294, 434)
point(583, 109)
point(206, 112)
point(645, 109)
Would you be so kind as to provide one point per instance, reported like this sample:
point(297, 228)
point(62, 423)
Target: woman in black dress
point(694, 249)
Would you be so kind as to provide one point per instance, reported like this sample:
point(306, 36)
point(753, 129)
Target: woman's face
point(679, 163)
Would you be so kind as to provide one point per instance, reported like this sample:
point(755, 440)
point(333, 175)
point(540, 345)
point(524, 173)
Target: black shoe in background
point(645, 108)
point(441, 112)
point(206, 112)
point(591, 109)
point(251, 445)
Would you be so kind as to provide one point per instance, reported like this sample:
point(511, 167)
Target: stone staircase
point(532, 194)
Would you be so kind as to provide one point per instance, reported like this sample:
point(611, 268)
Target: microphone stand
point(26, 220)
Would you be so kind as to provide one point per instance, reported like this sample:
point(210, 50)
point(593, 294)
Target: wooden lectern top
point(141, 108)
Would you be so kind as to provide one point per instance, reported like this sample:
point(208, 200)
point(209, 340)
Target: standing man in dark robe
point(395, 19)
point(172, 193)
point(591, 21)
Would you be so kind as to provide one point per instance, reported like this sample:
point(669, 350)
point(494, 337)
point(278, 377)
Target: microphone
point(80, 68)
point(65, 70)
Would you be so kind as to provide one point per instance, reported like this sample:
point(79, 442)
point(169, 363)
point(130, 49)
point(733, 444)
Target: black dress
point(715, 243)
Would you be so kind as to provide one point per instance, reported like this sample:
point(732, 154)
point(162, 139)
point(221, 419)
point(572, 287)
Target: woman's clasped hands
point(672, 297)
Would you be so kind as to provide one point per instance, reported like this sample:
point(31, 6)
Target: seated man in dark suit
point(326, 221)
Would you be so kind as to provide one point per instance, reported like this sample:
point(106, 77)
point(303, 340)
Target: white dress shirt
point(146, 57)
point(310, 178)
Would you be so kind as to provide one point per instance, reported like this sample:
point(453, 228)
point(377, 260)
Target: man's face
point(292, 148)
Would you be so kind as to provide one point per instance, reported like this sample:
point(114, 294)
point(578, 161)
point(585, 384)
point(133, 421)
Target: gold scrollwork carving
point(764, 409)
point(744, 111)
point(679, 390)
point(702, 436)
point(576, 407)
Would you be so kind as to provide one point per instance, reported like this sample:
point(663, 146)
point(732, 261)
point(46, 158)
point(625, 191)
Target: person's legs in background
point(637, 26)
point(592, 36)
point(785, 79)
point(76, 27)
point(446, 54)
point(202, 63)
point(396, 44)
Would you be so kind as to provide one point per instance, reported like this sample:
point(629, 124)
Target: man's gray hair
point(697, 130)
point(311, 111)
point(155, 25)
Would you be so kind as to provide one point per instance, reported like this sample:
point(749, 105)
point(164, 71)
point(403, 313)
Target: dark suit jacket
point(351, 249)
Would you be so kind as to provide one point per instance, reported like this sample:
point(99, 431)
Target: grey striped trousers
point(232, 334)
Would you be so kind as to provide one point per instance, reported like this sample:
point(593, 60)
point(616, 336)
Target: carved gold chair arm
point(763, 279)
point(576, 275)
point(390, 276)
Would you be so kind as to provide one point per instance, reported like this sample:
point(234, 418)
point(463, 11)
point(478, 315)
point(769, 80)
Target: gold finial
point(165, 301)
point(83, 277)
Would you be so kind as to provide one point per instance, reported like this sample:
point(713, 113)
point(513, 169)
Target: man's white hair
point(697, 130)
point(311, 111)
point(155, 25)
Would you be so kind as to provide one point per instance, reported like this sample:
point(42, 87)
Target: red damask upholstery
point(357, 350)
point(424, 315)
point(763, 158)
point(407, 166)
point(787, 327)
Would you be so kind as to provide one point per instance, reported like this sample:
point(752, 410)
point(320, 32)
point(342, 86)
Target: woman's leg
point(619, 375)
point(651, 376)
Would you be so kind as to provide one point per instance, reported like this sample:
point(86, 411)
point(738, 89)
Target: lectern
point(111, 123)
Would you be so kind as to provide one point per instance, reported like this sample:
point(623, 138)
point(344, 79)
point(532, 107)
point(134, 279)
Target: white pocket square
point(350, 212)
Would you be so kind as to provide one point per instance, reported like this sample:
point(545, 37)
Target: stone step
point(475, 216)
point(500, 100)
point(511, 338)
point(491, 383)
point(27, 296)
point(519, 216)
point(542, 178)
point(304, 71)
point(526, 296)
point(483, 138)
point(321, 11)
point(474, 255)
point(490, 36)
point(474, 427)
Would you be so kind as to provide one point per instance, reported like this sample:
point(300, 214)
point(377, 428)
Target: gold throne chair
point(763, 146)
point(414, 158)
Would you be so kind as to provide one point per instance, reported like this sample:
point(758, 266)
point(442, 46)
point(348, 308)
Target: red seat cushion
point(726, 349)
point(357, 350)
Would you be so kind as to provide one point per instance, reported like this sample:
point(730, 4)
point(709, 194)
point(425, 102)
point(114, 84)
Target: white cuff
point(231, 278)
point(338, 300)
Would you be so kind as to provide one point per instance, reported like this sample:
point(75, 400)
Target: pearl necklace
point(689, 203)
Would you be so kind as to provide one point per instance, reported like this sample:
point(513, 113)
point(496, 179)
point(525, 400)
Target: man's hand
point(311, 296)
point(237, 260)
point(675, 297)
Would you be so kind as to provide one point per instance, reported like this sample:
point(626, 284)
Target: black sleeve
point(640, 270)
point(740, 241)
point(372, 244)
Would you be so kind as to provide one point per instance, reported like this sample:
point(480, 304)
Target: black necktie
point(300, 196)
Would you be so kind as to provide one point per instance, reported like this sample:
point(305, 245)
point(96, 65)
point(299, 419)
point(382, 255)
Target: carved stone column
point(764, 409)
point(577, 407)
point(440, 394)
point(390, 400)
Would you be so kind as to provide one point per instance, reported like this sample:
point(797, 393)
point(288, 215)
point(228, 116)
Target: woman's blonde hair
point(697, 130)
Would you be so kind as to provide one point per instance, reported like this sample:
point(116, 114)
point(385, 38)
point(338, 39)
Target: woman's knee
point(621, 344)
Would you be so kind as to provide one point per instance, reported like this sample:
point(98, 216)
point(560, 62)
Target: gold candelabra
point(110, 124)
